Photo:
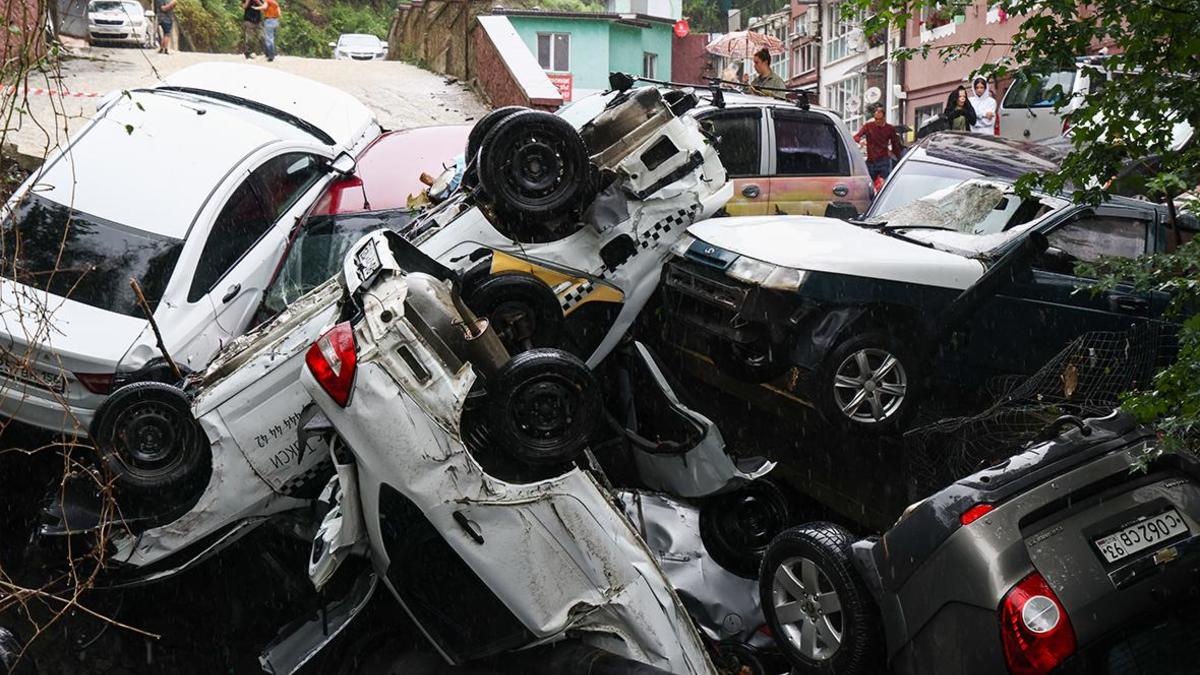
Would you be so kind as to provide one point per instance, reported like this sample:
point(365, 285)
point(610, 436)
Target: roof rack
point(619, 81)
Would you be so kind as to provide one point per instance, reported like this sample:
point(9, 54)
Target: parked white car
point(121, 21)
point(225, 159)
point(359, 47)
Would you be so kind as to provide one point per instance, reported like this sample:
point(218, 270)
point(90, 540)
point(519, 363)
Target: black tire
point(534, 166)
point(484, 125)
point(759, 361)
point(834, 628)
point(149, 440)
point(544, 406)
point(521, 308)
point(895, 389)
point(737, 527)
point(12, 660)
point(738, 658)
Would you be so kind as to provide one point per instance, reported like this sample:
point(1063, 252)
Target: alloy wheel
point(808, 608)
point(870, 386)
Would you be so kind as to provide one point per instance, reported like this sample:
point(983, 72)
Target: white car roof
point(151, 161)
point(333, 111)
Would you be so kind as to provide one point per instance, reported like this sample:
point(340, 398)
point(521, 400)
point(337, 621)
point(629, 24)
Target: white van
point(1027, 111)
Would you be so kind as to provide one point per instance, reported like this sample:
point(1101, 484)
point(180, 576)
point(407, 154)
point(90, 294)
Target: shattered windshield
point(915, 180)
point(971, 217)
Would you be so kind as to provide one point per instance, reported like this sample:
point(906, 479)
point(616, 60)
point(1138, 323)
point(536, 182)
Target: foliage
point(568, 5)
point(1154, 48)
point(305, 29)
point(207, 25)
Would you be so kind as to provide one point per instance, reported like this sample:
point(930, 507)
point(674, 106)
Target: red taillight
point(1066, 124)
point(996, 125)
point(1034, 628)
point(975, 513)
point(97, 383)
point(332, 360)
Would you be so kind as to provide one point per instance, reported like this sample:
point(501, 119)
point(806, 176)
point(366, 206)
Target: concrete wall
point(589, 50)
point(504, 69)
point(437, 33)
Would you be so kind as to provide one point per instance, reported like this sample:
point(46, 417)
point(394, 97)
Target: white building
point(855, 68)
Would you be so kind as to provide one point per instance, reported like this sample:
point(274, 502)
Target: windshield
point(85, 258)
point(319, 249)
point(914, 180)
point(115, 6)
point(367, 41)
point(1025, 93)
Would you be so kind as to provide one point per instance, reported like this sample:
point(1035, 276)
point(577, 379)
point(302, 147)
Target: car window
point(914, 180)
point(1090, 237)
point(1025, 93)
point(285, 178)
point(808, 145)
point(740, 137)
point(88, 259)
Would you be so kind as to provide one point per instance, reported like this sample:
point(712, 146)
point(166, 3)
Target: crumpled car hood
point(828, 245)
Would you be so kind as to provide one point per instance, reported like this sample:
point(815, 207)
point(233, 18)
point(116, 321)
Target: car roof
point(150, 161)
point(740, 100)
point(993, 155)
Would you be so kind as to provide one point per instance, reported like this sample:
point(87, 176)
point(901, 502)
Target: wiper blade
point(291, 119)
point(893, 228)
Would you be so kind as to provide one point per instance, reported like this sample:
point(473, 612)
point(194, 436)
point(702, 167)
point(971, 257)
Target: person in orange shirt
point(270, 25)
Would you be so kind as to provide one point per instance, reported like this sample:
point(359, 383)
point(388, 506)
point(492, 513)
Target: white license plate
point(367, 261)
point(1141, 535)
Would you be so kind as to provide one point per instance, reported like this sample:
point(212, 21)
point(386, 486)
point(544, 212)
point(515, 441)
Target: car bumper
point(117, 34)
point(47, 410)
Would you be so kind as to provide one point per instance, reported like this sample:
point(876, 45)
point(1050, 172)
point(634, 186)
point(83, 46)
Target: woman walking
point(270, 25)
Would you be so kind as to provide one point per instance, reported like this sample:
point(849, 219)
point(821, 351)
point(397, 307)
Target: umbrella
point(741, 44)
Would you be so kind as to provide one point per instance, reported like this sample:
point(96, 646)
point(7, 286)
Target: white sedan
point(359, 47)
point(224, 158)
point(121, 21)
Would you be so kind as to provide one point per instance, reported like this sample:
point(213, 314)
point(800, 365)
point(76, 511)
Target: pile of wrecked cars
point(443, 396)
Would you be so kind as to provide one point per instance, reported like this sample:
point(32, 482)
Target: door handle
point(231, 293)
point(751, 191)
point(840, 190)
point(1129, 304)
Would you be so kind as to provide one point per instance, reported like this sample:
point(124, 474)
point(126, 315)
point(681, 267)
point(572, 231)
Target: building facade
point(804, 46)
point(578, 50)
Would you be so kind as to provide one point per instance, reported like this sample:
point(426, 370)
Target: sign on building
point(564, 83)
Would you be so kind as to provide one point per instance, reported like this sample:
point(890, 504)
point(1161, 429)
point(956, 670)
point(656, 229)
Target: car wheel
point(737, 658)
point(869, 382)
point(545, 404)
point(737, 527)
point(149, 440)
point(758, 361)
point(816, 606)
point(12, 659)
point(485, 124)
point(522, 309)
point(533, 166)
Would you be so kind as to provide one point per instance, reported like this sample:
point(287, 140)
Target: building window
point(554, 52)
point(845, 98)
point(926, 114)
point(837, 47)
point(804, 58)
point(779, 64)
point(649, 65)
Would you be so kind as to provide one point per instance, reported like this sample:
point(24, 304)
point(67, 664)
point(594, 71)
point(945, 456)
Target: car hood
point(64, 333)
point(828, 245)
point(331, 110)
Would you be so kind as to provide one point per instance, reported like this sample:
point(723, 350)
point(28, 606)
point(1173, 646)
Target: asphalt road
point(400, 94)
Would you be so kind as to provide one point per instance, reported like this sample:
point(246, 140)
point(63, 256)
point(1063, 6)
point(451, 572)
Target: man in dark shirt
point(164, 11)
point(879, 135)
point(251, 24)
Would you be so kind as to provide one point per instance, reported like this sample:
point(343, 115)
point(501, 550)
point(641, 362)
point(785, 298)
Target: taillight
point(975, 513)
point(332, 360)
point(1066, 124)
point(97, 383)
point(1034, 628)
point(996, 125)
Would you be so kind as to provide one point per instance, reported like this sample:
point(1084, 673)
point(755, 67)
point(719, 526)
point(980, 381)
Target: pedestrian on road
point(164, 11)
point(984, 106)
point(251, 24)
point(270, 25)
point(882, 145)
point(765, 77)
point(959, 112)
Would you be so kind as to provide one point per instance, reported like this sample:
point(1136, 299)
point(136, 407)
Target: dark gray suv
point(1079, 555)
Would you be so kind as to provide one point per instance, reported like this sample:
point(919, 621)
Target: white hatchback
point(190, 188)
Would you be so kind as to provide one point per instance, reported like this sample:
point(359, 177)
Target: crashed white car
point(226, 158)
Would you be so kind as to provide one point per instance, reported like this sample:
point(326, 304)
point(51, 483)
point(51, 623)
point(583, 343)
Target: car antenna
point(162, 348)
point(362, 185)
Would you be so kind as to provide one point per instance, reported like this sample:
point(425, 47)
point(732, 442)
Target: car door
point(741, 134)
point(810, 166)
point(249, 236)
point(1050, 304)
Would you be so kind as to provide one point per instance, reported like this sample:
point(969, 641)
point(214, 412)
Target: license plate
point(1141, 535)
point(367, 261)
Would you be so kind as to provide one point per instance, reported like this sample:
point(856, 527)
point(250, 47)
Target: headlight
point(765, 274)
point(680, 247)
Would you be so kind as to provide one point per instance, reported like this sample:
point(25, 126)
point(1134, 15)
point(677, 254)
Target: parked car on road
point(121, 21)
point(358, 47)
point(202, 240)
point(867, 310)
point(1080, 554)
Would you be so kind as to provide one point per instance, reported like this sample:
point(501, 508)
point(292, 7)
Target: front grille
point(361, 57)
point(704, 287)
point(110, 22)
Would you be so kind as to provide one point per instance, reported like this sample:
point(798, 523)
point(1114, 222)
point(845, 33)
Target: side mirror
point(333, 45)
point(344, 164)
point(149, 14)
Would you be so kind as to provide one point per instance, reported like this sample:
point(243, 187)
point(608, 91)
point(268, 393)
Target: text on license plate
point(367, 260)
point(1141, 535)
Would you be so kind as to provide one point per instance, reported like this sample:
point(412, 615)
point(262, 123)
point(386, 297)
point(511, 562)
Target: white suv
point(223, 159)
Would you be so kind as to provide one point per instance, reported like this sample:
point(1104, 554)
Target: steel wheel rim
point(150, 438)
point(808, 608)
point(544, 409)
point(870, 385)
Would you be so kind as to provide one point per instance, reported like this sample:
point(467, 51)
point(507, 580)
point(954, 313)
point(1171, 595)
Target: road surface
point(402, 95)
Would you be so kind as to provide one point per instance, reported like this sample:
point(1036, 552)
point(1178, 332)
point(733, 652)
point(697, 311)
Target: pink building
point(804, 34)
